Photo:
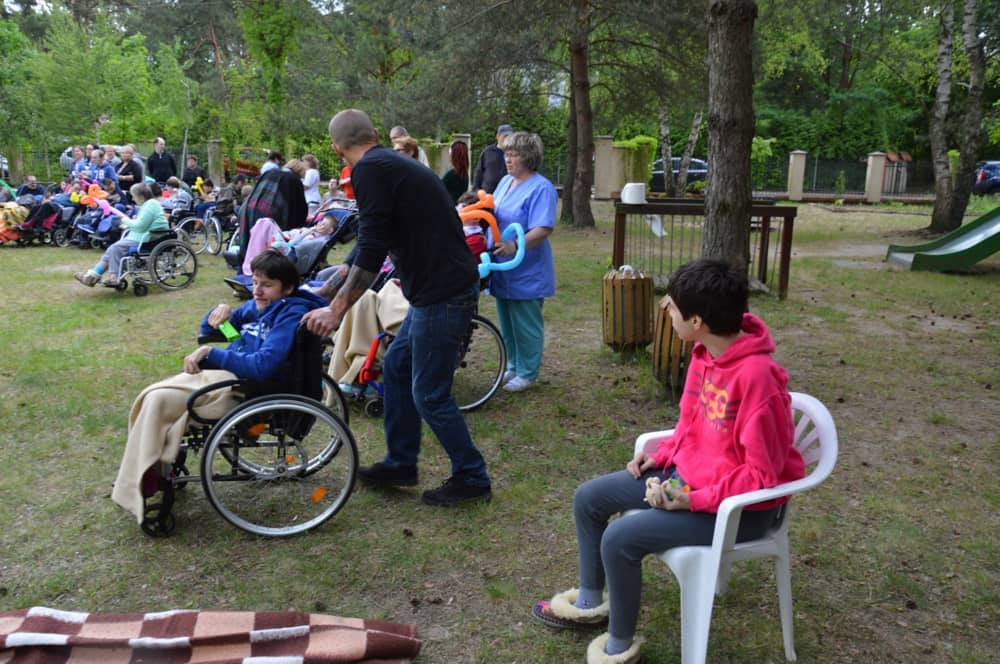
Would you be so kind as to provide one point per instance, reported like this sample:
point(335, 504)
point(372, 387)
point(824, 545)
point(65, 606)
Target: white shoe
point(518, 384)
point(508, 376)
point(596, 654)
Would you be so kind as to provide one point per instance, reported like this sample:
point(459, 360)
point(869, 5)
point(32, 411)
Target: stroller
point(95, 230)
point(40, 224)
point(64, 228)
point(310, 257)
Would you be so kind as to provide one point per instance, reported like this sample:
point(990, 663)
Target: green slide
point(963, 247)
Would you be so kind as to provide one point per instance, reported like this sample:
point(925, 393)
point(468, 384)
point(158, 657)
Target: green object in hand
point(229, 331)
point(673, 487)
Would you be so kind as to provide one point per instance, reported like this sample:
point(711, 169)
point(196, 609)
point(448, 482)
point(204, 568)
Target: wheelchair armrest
point(197, 394)
point(215, 336)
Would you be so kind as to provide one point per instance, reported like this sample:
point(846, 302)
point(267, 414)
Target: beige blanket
point(156, 425)
point(372, 314)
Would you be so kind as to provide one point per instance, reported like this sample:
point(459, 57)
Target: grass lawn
point(895, 558)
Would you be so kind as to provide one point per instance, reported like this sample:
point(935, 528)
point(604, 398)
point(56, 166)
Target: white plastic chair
point(703, 571)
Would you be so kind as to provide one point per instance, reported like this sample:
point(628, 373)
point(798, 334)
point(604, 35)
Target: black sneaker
point(454, 492)
point(380, 473)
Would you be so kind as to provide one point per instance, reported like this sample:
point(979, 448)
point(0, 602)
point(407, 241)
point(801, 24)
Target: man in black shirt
point(405, 211)
point(193, 171)
point(491, 166)
point(161, 165)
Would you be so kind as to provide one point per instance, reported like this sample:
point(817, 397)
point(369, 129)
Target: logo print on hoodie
point(715, 404)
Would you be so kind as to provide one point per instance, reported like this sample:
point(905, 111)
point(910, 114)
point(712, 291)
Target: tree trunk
point(566, 215)
point(971, 129)
point(941, 216)
point(583, 179)
point(666, 151)
point(682, 172)
point(730, 130)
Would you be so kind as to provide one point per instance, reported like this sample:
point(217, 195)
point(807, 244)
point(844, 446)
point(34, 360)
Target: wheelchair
point(280, 463)
point(479, 369)
point(167, 261)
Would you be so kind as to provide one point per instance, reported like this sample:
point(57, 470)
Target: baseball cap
point(505, 129)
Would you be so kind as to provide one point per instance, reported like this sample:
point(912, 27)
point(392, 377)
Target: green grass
point(894, 558)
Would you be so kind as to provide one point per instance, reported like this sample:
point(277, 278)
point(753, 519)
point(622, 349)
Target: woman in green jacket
point(150, 219)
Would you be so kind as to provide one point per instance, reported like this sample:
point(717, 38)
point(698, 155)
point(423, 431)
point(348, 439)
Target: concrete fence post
point(604, 167)
point(213, 161)
point(796, 174)
point(874, 176)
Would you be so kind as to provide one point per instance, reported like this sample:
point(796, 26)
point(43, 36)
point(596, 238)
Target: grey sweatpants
point(614, 552)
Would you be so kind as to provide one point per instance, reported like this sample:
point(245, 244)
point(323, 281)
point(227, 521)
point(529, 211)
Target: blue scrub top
point(531, 203)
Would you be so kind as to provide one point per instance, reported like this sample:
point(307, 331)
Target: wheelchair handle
point(486, 264)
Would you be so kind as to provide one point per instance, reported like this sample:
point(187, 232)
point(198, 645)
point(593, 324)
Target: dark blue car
point(987, 178)
point(697, 170)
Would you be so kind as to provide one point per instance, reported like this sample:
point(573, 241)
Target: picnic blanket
point(42, 635)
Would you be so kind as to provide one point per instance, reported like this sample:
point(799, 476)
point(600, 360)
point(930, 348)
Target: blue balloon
point(486, 264)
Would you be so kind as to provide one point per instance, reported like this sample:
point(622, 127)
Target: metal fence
point(657, 238)
point(837, 176)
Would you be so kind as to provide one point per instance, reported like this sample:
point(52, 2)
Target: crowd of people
point(735, 428)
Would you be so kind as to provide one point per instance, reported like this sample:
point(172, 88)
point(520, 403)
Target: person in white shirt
point(310, 181)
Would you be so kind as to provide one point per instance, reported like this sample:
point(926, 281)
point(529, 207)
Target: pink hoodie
point(735, 431)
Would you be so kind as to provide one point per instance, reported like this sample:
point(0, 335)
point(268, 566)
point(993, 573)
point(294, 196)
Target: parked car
point(697, 170)
point(987, 178)
point(66, 158)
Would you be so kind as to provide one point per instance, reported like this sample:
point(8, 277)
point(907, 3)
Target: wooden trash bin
point(671, 354)
point(627, 300)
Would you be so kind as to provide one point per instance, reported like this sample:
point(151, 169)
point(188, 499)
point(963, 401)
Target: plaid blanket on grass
point(42, 635)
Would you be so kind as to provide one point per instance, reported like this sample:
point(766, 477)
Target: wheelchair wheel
point(197, 233)
point(334, 399)
point(60, 237)
point(213, 231)
point(375, 407)
point(482, 361)
point(279, 465)
point(173, 264)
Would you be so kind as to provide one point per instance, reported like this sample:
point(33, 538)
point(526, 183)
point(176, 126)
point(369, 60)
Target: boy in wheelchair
point(267, 325)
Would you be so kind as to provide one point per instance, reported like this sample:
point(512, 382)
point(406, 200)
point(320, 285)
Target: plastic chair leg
point(697, 586)
point(783, 576)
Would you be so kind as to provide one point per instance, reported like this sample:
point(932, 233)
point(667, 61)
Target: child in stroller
point(308, 247)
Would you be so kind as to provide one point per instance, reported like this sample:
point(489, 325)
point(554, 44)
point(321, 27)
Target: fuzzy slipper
point(560, 613)
point(596, 654)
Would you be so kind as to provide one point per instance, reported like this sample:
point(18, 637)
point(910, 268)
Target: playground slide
point(963, 247)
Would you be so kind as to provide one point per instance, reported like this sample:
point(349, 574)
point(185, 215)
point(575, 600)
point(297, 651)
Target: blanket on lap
point(52, 636)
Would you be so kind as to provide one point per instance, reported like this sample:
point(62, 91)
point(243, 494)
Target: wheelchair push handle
point(486, 264)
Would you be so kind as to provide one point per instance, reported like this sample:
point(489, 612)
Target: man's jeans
point(418, 370)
